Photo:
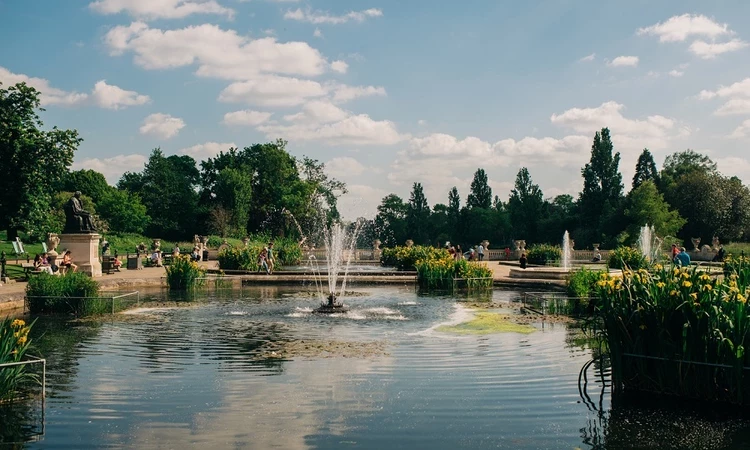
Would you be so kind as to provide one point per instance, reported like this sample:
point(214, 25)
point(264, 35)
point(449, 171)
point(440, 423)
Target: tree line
point(687, 198)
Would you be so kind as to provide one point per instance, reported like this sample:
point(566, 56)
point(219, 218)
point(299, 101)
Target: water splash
point(649, 243)
point(566, 250)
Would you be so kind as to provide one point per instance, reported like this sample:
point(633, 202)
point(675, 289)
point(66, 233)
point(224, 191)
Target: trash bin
point(205, 255)
point(134, 262)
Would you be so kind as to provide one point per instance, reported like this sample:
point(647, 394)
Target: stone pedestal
point(84, 249)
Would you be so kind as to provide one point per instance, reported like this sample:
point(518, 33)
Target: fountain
point(566, 251)
point(649, 243)
point(338, 260)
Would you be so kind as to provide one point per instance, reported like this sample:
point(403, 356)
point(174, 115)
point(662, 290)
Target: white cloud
point(207, 150)
point(360, 201)
point(734, 166)
point(742, 131)
point(353, 130)
point(738, 95)
point(588, 58)
point(343, 93)
point(318, 112)
point(112, 97)
point(160, 9)
point(421, 122)
point(218, 53)
point(49, 95)
point(344, 167)
point(679, 28)
point(339, 66)
point(676, 73)
point(624, 61)
point(246, 117)
point(317, 33)
point(319, 17)
point(708, 50)
point(161, 126)
point(112, 168)
point(272, 90)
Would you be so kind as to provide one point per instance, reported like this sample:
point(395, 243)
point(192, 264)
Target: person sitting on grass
point(67, 261)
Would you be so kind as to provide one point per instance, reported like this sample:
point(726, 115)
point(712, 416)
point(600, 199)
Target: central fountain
point(339, 247)
point(649, 243)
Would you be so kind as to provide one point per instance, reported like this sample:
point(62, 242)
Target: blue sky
point(388, 93)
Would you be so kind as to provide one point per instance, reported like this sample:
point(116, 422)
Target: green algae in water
point(487, 323)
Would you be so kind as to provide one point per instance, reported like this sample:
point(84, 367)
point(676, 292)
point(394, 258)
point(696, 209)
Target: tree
point(32, 161)
point(454, 211)
point(123, 211)
point(326, 190)
point(645, 205)
point(525, 206)
point(689, 161)
point(167, 187)
point(558, 215)
point(600, 199)
point(418, 215)
point(89, 182)
point(390, 222)
point(234, 196)
point(645, 169)
point(481, 193)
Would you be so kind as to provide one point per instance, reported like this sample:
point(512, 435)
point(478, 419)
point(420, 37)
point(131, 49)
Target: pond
point(256, 369)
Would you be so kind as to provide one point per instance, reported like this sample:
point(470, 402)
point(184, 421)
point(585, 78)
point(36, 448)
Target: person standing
point(270, 258)
point(480, 252)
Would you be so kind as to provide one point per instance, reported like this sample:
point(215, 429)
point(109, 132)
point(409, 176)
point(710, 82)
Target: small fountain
point(649, 243)
point(337, 241)
point(567, 251)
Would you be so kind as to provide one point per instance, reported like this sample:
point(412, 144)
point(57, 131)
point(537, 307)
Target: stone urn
point(696, 242)
point(596, 247)
point(572, 244)
point(245, 241)
point(52, 242)
point(409, 243)
point(376, 245)
point(486, 244)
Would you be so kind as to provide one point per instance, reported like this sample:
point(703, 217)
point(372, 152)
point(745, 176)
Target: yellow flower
point(694, 296)
point(676, 271)
point(685, 275)
point(686, 284)
point(21, 340)
point(705, 277)
point(707, 287)
point(660, 284)
point(643, 327)
point(741, 298)
point(18, 323)
point(658, 267)
point(674, 293)
point(601, 283)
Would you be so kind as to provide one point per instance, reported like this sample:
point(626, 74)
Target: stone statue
point(77, 219)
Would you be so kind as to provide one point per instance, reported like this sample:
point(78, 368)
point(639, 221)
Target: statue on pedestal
point(77, 219)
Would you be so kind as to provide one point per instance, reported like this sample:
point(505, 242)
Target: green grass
point(736, 248)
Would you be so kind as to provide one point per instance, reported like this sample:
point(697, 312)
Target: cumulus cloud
point(103, 95)
point(161, 126)
point(357, 129)
point(737, 95)
point(344, 167)
point(272, 90)
point(742, 131)
point(318, 112)
point(339, 66)
point(709, 50)
point(624, 61)
point(588, 58)
point(680, 28)
point(319, 17)
point(734, 166)
point(217, 53)
point(343, 93)
point(112, 168)
point(206, 150)
point(160, 9)
point(246, 117)
point(676, 73)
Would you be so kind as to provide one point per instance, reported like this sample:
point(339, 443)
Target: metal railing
point(32, 360)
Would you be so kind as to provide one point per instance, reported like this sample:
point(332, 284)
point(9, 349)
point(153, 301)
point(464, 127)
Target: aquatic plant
point(677, 331)
point(739, 266)
point(627, 258)
point(74, 292)
point(441, 271)
point(287, 252)
point(405, 258)
point(544, 254)
point(581, 283)
point(487, 323)
point(14, 343)
point(184, 273)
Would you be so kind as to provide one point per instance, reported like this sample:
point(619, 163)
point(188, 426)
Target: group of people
point(48, 263)
point(265, 259)
point(475, 253)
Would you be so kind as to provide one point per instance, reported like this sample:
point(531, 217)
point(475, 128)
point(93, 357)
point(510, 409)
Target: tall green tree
point(525, 206)
point(558, 215)
point(645, 205)
point(480, 195)
point(418, 215)
point(645, 169)
point(89, 182)
point(390, 222)
point(167, 187)
point(454, 211)
point(234, 194)
point(600, 200)
point(31, 160)
point(123, 211)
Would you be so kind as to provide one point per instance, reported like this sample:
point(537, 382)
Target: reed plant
point(677, 331)
point(627, 258)
point(405, 258)
point(184, 273)
point(544, 254)
point(286, 252)
point(443, 272)
point(14, 343)
point(72, 293)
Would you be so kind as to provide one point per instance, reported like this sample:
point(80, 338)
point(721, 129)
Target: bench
point(108, 265)
point(29, 270)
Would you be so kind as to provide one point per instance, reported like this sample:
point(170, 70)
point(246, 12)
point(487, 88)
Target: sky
point(387, 93)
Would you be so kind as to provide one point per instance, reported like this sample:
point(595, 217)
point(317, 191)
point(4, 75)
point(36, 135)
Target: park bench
point(29, 270)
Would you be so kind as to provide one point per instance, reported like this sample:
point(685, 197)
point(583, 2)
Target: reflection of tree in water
point(20, 421)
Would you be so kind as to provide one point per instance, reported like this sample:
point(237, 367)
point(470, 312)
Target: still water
point(204, 375)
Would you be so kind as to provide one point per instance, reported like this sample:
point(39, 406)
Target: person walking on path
point(480, 252)
point(270, 258)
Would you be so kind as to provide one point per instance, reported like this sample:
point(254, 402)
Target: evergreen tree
point(390, 222)
point(418, 215)
point(525, 206)
point(481, 193)
point(601, 197)
point(454, 211)
point(645, 205)
point(645, 169)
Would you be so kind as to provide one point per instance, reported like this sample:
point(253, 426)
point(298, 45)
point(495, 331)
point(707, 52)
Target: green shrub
point(440, 271)
point(74, 292)
point(14, 342)
point(739, 266)
point(627, 258)
point(405, 258)
point(184, 273)
point(286, 252)
point(216, 241)
point(544, 254)
point(582, 282)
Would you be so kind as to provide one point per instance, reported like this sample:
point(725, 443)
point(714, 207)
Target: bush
point(14, 342)
point(405, 258)
point(286, 252)
point(627, 258)
point(582, 282)
point(440, 271)
point(184, 273)
point(74, 292)
point(544, 254)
